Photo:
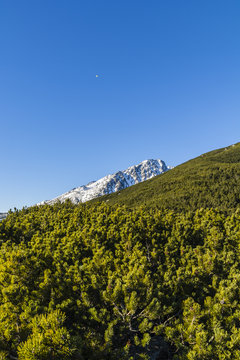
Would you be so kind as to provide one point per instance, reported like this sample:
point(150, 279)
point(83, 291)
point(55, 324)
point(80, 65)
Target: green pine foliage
point(95, 282)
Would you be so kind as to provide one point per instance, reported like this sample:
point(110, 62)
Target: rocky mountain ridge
point(2, 216)
point(115, 182)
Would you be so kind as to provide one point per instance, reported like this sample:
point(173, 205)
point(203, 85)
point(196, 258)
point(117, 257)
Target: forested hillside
point(94, 282)
point(211, 180)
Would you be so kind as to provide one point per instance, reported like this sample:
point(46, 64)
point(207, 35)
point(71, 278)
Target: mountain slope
point(115, 182)
point(3, 216)
point(210, 180)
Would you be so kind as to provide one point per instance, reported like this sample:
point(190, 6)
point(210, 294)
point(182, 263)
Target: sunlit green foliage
point(97, 282)
point(48, 339)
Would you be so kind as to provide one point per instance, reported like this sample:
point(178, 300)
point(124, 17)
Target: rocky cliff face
point(115, 182)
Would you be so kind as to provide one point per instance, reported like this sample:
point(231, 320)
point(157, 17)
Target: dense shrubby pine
point(97, 282)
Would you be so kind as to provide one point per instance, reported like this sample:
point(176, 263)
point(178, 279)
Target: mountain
point(2, 216)
point(115, 182)
point(211, 180)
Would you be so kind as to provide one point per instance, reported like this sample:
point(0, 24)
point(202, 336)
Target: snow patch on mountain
point(115, 182)
point(3, 216)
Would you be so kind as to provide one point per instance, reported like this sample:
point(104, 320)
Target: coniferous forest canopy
point(144, 280)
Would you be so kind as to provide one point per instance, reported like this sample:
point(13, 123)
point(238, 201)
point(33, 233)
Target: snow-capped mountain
point(115, 182)
point(3, 216)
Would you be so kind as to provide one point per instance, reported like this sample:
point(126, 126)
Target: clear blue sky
point(168, 87)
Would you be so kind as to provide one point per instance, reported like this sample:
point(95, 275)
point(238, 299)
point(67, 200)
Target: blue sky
point(168, 87)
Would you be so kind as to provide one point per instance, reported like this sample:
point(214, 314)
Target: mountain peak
point(113, 182)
